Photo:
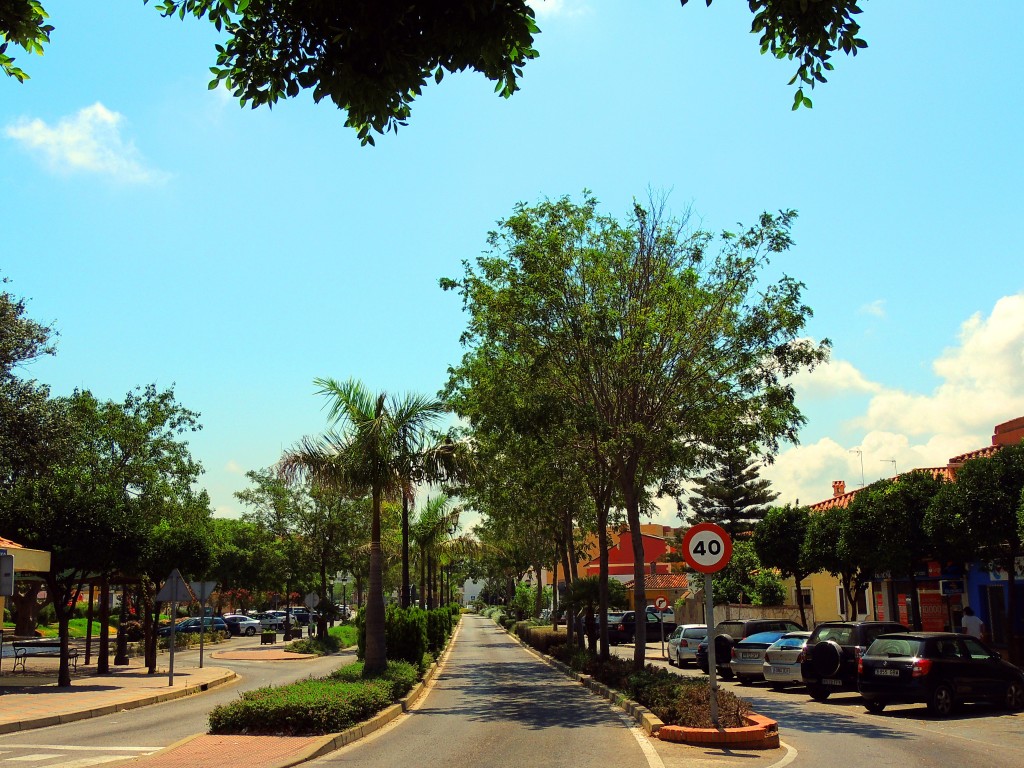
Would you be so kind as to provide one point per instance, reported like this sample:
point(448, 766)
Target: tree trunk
point(26, 605)
point(915, 605)
point(103, 658)
point(321, 621)
point(1011, 608)
point(405, 548)
point(148, 609)
point(376, 659)
point(570, 624)
point(554, 592)
point(121, 647)
point(539, 602)
point(800, 599)
point(602, 501)
point(632, 499)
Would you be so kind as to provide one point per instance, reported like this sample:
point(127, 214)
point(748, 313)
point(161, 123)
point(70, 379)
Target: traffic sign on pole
point(707, 547)
point(661, 603)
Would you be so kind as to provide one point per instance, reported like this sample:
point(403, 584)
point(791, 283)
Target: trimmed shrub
point(400, 674)
point(439, 628)
point(676, 700)
point(314, 707)
point(541, 637)
point(405, 633)
point(320, 646)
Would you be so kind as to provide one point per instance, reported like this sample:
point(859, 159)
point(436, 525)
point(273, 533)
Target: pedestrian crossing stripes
point(59, 756)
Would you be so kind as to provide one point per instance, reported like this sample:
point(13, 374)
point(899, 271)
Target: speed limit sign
point(707, 547)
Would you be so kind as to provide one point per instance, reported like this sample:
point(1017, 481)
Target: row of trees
point(107, 487)
point(607, 362)
point(894, 526)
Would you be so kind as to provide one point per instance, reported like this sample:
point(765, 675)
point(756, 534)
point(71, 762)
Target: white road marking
point(789, 758)
point(31, 758)
point(87, 761)
point(86, 749)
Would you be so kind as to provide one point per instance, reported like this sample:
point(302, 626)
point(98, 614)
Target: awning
point(26, 560)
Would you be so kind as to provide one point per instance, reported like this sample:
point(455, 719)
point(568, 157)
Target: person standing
point(971, 624)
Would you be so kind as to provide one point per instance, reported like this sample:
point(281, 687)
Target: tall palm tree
point(434, 535)
point(364, 451)
point(425, 456)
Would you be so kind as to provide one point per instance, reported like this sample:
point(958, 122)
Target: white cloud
point(980, 387)
point(833, 378)
point(563, 8)
point(875, 309)
point(88, 141)
point(234, 467)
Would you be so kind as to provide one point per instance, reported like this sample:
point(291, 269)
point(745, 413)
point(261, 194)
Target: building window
point(808, 602)
point(862, 602)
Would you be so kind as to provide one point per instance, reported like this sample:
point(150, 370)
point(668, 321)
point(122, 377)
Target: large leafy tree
point(276, 506)
point(987, 510)
point(364, 451)
point(732, 494)
point(779, 541)
point(901, 508)
point(122, 467)
point(373, 59)
point(29, 429)
point(661, 350)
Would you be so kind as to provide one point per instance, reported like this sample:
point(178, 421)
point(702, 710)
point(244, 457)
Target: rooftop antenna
point(893, 462)
point(860, 453)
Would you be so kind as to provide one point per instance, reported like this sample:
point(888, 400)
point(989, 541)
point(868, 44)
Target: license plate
point(832, 681)
point(779, 671)
point(749, 655)
point(887, 672)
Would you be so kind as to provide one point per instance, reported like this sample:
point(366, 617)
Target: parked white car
point(683, 642)
point(242, 625)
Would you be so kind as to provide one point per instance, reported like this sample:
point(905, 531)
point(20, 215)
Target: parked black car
point(829, 661)
point(940, 669)
point(622, 626)
point(729, 632)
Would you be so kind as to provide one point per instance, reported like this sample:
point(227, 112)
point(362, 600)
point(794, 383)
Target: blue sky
point(175, 238)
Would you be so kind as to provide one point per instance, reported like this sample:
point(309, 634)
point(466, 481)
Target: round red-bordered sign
point(707, 547)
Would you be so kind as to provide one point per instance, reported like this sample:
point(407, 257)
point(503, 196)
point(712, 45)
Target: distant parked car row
point(884, 661)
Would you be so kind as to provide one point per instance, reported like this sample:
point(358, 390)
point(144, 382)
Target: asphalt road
point(841, 733)
point(494, 704)
point(146, 729)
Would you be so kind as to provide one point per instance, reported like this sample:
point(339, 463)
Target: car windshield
point(890, 647)
point(840, 635)
point(763, 637)
point(790, 642)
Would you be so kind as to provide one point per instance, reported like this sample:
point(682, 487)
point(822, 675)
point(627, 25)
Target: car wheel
point(726, 674)
point(818, 694)
point(743, 679)
point(941, 702)
point(1014, 699)
point(668, 658)
point(250, 631)
point(874, 707)
point(704, 669)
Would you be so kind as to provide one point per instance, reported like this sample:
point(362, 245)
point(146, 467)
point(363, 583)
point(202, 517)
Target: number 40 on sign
point(707, 547)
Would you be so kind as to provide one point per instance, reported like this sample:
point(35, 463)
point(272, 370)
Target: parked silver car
point(683, 642)
point(782, 660)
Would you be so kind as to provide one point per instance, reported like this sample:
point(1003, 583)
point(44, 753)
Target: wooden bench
point(46, 649)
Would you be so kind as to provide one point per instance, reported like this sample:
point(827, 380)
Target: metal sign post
point(174, 590)
point(203, 590)
point(708, 548)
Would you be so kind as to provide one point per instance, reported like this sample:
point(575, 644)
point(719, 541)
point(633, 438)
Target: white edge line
point(791, 754)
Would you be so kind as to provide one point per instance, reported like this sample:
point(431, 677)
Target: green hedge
point(411, 634)
point(314, 707)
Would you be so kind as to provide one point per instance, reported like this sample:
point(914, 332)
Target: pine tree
point(733, 494)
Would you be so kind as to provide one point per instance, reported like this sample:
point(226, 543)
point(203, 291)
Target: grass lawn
point(76, 628)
